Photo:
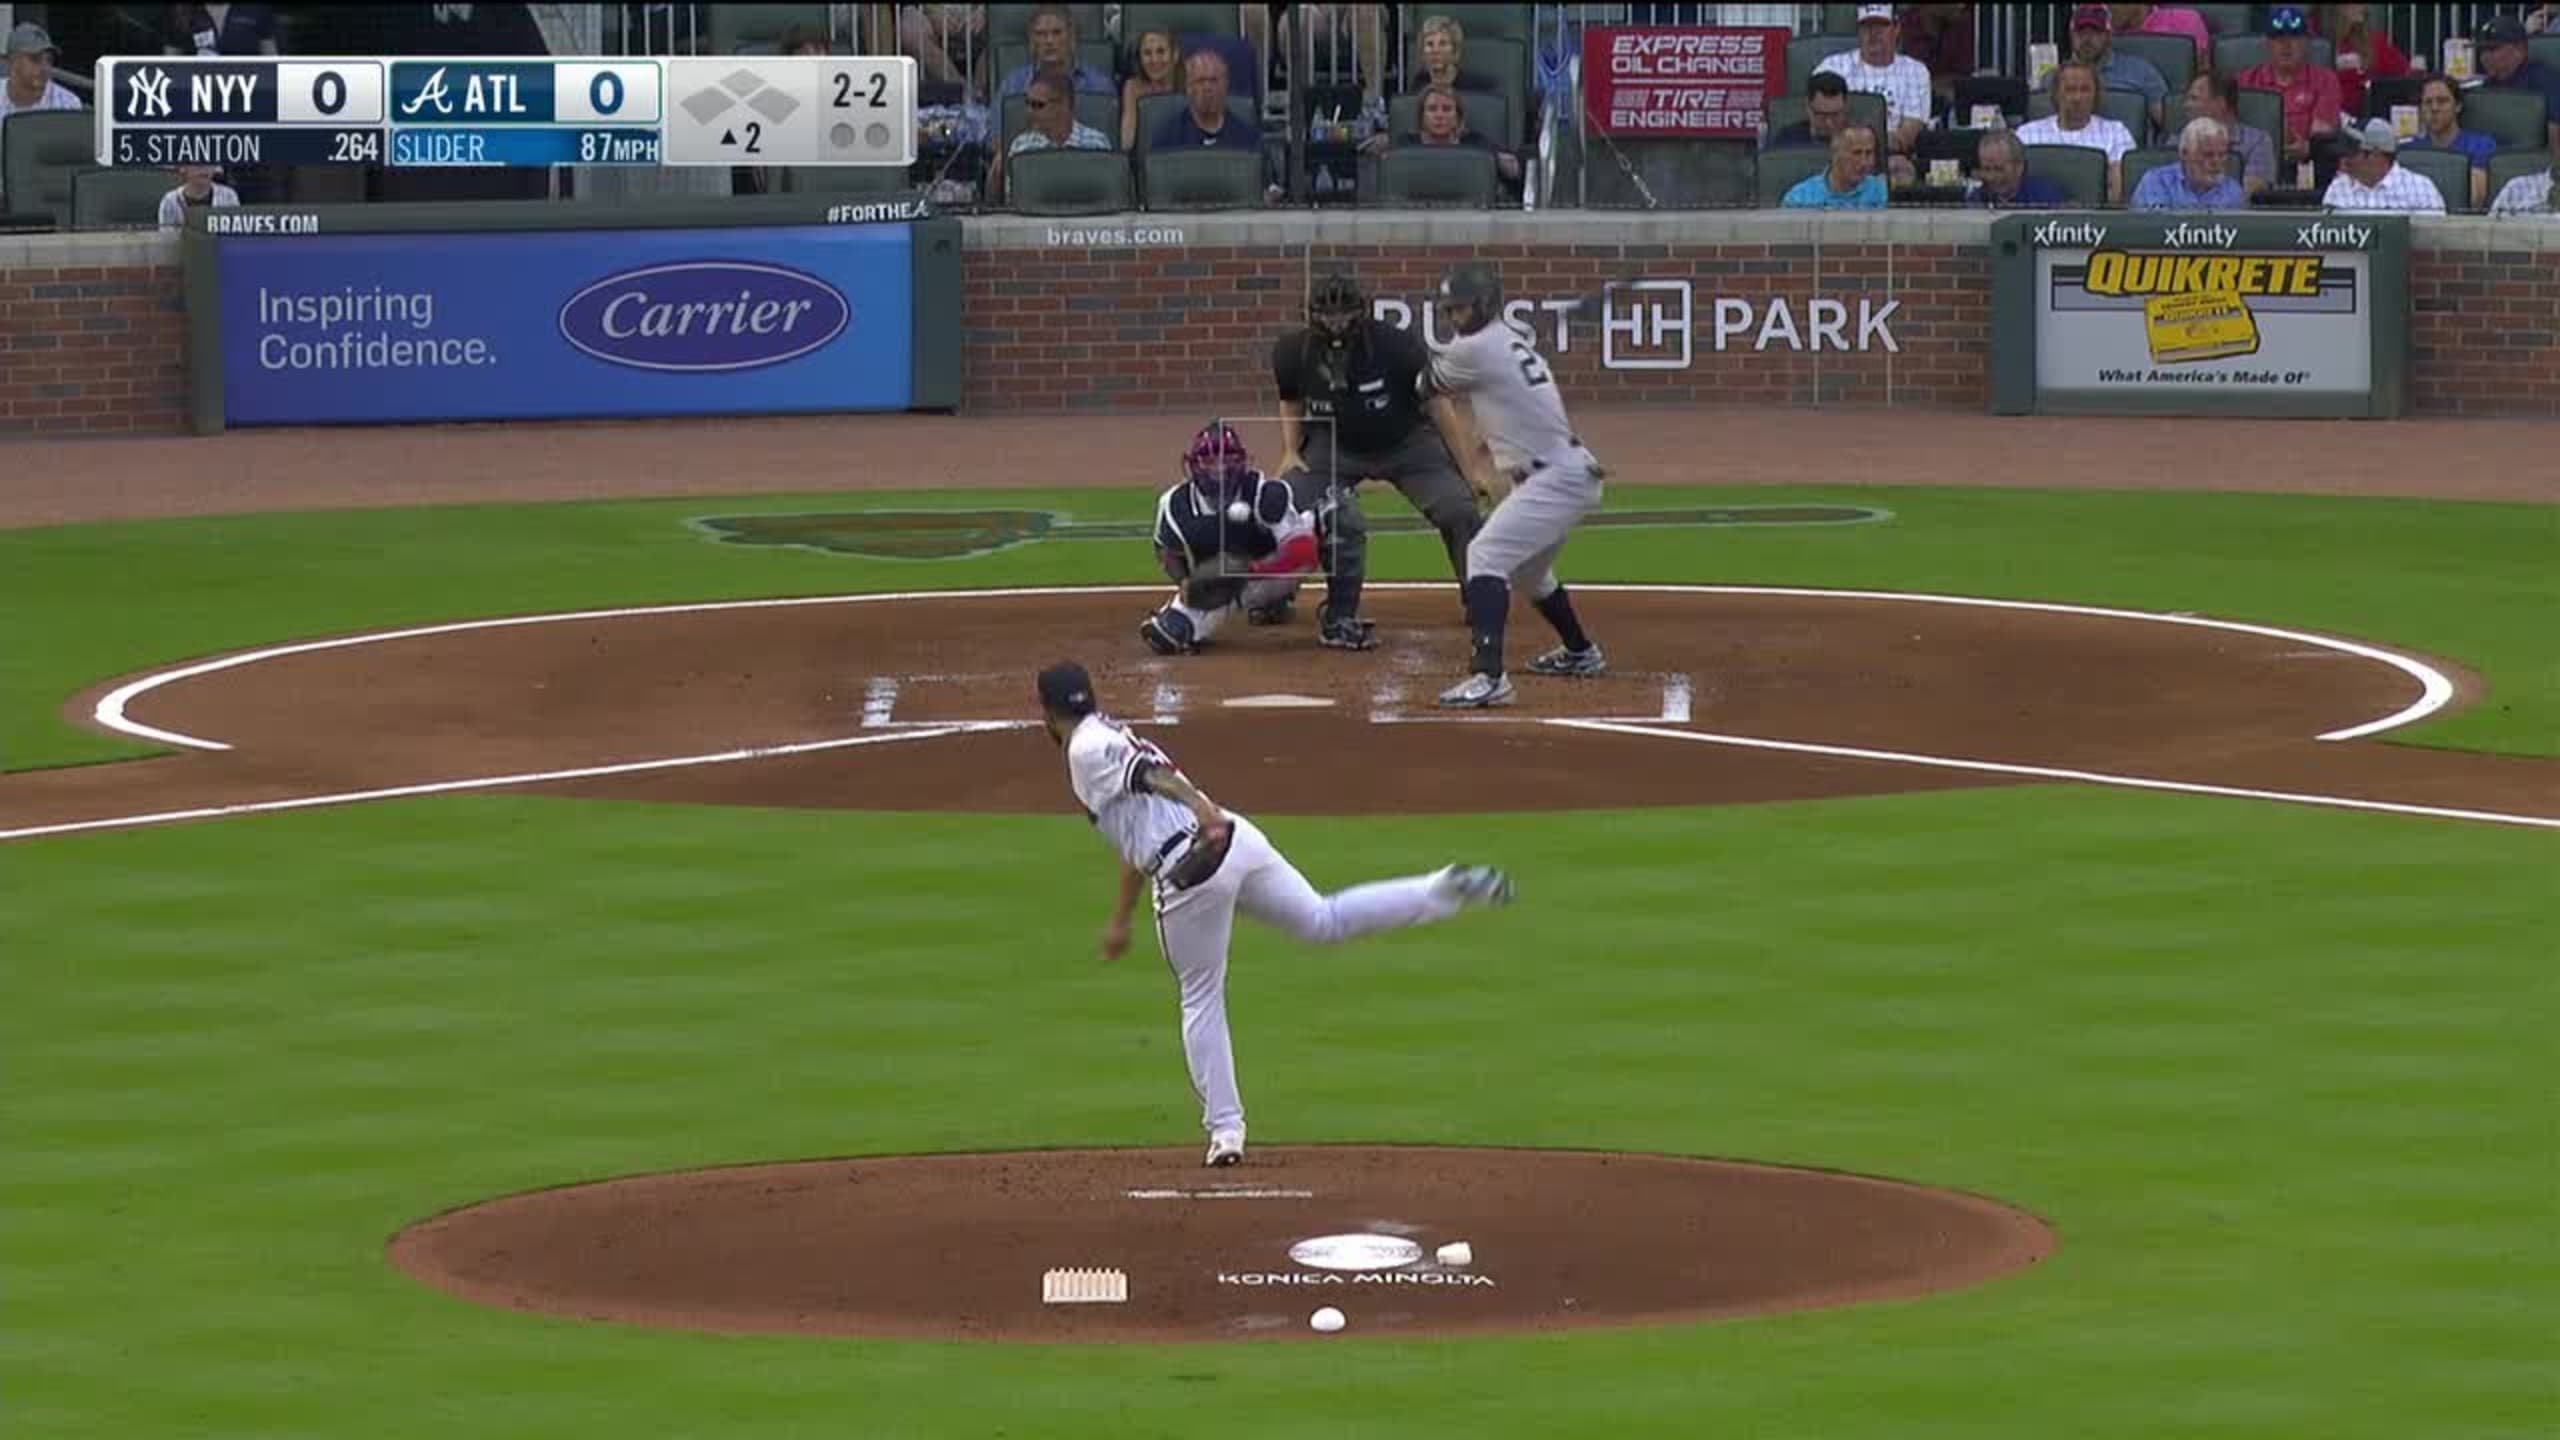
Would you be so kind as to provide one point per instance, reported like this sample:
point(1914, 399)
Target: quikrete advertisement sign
point(2230, 315)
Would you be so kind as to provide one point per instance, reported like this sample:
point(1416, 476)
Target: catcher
point(1234, 538)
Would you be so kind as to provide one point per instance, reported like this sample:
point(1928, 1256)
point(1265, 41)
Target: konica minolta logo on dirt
point(365, 327)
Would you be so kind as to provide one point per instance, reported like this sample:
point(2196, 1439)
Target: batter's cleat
point(1476, 884)
point(1168, 632)
point(1278, 612)
point(1561, 661)
point(1225, 1148)
point(1479, 692)
point(1348, 635)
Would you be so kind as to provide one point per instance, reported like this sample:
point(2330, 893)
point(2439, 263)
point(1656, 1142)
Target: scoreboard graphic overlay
point(508, 111)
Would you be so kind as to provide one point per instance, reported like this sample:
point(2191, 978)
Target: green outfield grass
point(2471, 582)
point(2280, 1076)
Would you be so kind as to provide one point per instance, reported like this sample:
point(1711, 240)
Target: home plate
point(1278, 702)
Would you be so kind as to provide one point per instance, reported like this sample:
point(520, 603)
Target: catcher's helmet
point(1475, 285)
point(1335, 305)
point(1217, 463)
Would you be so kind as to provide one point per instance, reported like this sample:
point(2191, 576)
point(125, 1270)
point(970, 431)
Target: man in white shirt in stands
point(2075, 121)
point(2531, 195)
point(1878, 67)
point(31, 84)
point(196, 191)
point(2370, 177)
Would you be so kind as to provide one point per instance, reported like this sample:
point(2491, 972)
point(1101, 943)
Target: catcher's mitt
point(1207, 851)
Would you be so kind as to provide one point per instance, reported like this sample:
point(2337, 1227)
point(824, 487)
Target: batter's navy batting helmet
point(1066, 689)
point(1476, 285)
point(1217, 462)
point(1335, 305)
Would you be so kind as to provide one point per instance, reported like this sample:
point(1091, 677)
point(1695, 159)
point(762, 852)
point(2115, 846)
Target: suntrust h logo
point(1644, 325)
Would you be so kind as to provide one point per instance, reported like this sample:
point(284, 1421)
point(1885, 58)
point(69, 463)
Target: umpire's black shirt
point(1370, 390)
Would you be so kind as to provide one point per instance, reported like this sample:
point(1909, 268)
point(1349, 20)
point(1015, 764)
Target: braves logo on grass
point(704, 315)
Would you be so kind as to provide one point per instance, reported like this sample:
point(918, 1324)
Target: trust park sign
point(1664, 324)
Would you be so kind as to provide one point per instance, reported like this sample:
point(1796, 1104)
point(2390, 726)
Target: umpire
point(1352, 409)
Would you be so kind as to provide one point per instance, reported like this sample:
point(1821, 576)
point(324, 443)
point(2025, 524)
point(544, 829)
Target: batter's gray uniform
point(1364, 420)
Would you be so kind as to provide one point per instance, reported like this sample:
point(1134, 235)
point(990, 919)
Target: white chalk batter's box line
point(881, 694)
point(2435, 692)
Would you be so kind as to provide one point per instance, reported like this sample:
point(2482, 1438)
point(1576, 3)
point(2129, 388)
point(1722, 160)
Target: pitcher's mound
point(955, 1246)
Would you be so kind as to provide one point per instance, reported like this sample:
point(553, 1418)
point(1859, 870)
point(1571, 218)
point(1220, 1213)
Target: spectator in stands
point(1204, 124)
point(2440, 128)
point(1444, 122)
point(2535, 195)
point(1158, 63)
point(220, 30)
point(1052, 33)
point(2001, 181)
point(1940, 37)
point(2370, 178)
point(2505, 63)
point(2365, 53)
point(1049, 108)
point(2075, 121)
point(806, 40)
point(2167, 20)
point(196, 191)
point(2216, 97)
point(2093, 42)
point(1443, 47)
point(2542, 20)
point(1877, 67)
point(31, 84)
point(949, 42)
point(1850, 182)
point(2201, 180)
point(2311, 105)
point(1826, 109)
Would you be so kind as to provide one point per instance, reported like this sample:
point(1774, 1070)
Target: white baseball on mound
point(1326, 1320)
point(1238, 513)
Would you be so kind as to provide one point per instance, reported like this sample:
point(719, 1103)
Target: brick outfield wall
point(101, 350)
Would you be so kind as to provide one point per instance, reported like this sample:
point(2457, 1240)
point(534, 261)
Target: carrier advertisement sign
point(2218, 308)
point(1668, 82)
point(324, 329)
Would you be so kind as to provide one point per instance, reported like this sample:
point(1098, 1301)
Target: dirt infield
point(956, 1246)
point(922, 702)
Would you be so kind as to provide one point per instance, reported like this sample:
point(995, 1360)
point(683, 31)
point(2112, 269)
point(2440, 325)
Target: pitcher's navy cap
point(1065, 688)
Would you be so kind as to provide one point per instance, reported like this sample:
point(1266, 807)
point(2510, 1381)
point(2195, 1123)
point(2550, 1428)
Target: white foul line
point(494, 782)
point(2046, 772)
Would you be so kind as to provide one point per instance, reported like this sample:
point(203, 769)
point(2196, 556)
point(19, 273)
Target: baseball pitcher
point(1232, 537)
point(1204, 864)
point(1544, 477)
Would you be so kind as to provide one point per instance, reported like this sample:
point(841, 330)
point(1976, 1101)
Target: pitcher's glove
point(1208, 851)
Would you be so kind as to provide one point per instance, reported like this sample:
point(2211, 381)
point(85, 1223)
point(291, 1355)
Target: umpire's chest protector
point(1369, 387)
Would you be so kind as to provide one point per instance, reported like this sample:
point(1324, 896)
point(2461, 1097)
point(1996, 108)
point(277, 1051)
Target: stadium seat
point(2449, 169)
point(847, 180)
point(2138, 163)
point(1437, 175)
point(1136, 20)
point(2125, 107)
point(2264, 110)
point(2544, 48)
point(40, 150)
point(2506, 165)
point(1507, 61)
point(2221, 20)
point(2174, 56)
point(1154, 110)
point(2381, 95)
point(118, 199)
point(2006, 91)
point(756, 29)
point(1013, 22)
point(2513, 118)
point(1102, 112)
point(2079, 170)
point(1786, 110)
point(1204, 180)
point(1508, 22)
point(2235, 53)
point(1070, 182)
point(1487, 114)
point(1786, 167)
point(1962, 146)
point(1806, 51)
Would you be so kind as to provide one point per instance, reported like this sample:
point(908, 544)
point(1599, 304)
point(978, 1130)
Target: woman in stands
point(1443, 43)
point(1444, 122)
point(1157, 60)
point(2365, 53)
point(2440, 128)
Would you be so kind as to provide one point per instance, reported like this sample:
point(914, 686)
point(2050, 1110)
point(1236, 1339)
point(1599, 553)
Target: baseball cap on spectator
point(2378, 136)
point(1875, 14)
point(31, 39)
point(2287, 20)
point(2093, 17)
point(2500, 30)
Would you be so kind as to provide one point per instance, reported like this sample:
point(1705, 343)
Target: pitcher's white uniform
point(1505, 381)
point(1151, 832)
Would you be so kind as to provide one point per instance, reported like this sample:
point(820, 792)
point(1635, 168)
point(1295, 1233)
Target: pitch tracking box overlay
point(506, 111)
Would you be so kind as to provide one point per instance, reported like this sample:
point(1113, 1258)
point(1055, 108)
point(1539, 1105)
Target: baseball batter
point(1204, 864)
point(1546, 480)
point(1232, 537)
